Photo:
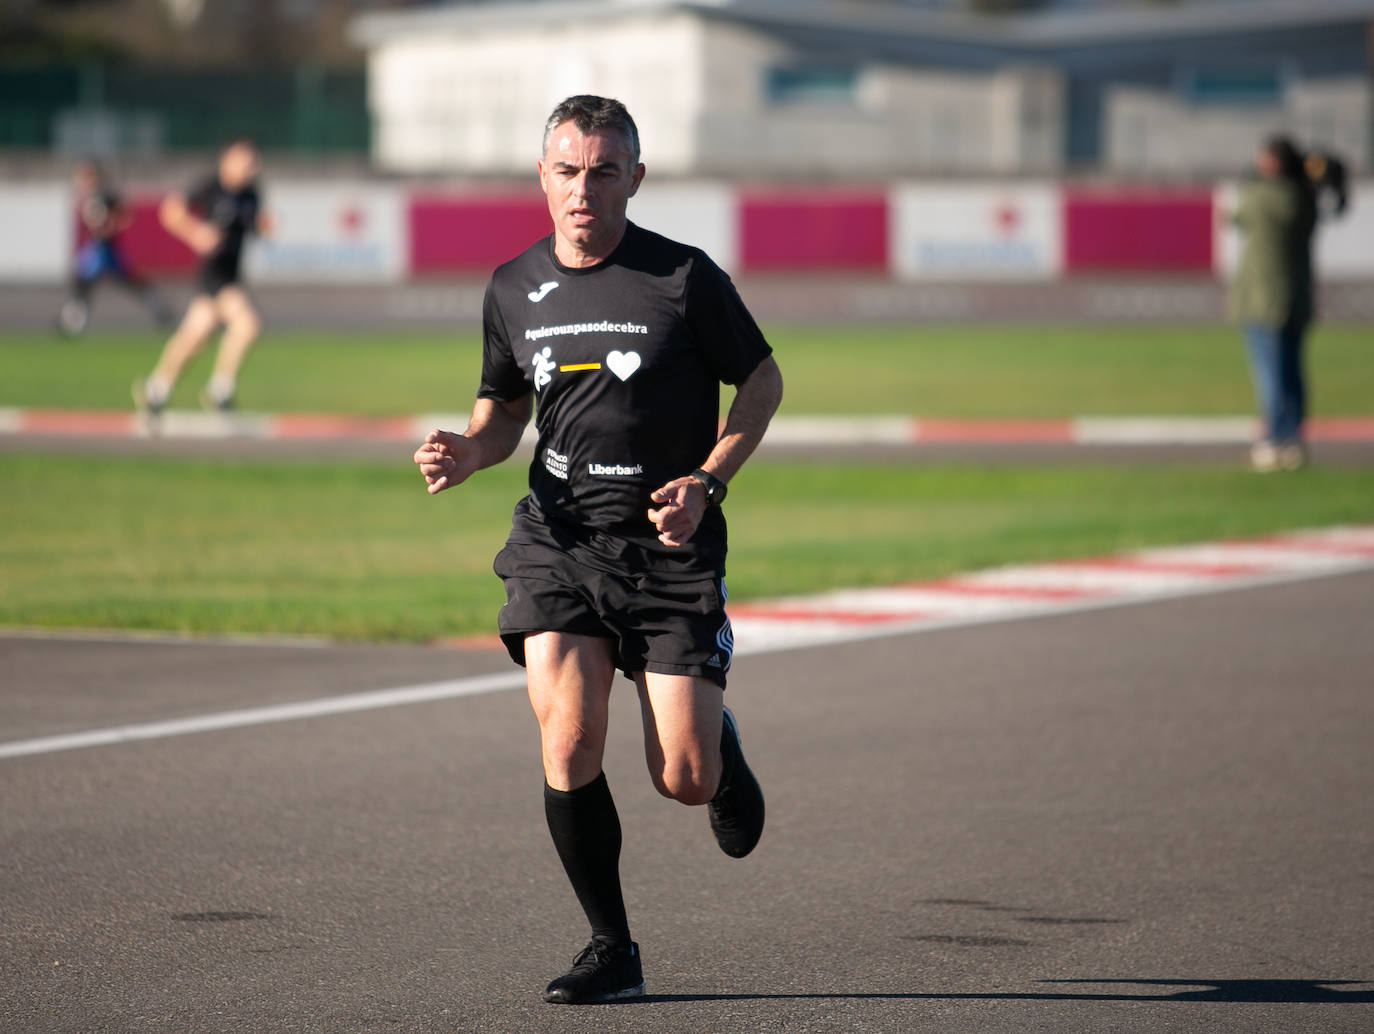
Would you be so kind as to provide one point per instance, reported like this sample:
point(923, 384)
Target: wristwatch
point(715, 487)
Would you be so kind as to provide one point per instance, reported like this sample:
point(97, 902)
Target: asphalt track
point(1154, 817)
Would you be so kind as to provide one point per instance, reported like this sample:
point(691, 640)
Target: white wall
point(1152, 131)
point(39, 230)
point(901, 120)
point(476, 103)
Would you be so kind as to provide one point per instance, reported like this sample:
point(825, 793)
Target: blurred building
point(865, 89)
point(140, 78)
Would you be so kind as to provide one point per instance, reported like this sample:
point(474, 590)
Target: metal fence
point(115, 109)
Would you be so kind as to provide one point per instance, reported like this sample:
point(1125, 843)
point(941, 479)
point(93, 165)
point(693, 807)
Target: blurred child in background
point(102, 218)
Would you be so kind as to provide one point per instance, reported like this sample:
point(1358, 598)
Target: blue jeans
point(1276, 367)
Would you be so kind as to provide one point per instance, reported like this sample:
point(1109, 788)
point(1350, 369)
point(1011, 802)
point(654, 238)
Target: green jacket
point(1273, 284)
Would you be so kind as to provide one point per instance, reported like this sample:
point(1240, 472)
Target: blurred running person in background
point(103, 217)
point(213, 219)
point(1272, 296)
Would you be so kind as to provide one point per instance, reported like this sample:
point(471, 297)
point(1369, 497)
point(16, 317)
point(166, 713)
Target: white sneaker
point(73, 318)
point(1264, 457)
point(1292, 456)
point(146, 398)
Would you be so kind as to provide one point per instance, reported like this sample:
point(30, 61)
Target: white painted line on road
point(979, 598)
point(369, 701)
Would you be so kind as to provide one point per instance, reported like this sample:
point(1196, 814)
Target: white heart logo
point(623, 364)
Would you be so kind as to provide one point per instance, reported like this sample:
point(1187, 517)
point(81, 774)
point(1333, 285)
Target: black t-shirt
point(625, 359)
point(233, 212)
point(97, 209)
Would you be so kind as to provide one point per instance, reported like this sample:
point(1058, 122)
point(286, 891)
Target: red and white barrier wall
point(366, 232)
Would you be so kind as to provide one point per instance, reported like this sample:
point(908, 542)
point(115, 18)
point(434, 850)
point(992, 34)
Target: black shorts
point(672, 627)
point(215, 276)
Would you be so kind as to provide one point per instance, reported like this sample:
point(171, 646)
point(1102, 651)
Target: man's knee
point(245, 324)
point(688, 781)
point(568, 745)
point(236, 309)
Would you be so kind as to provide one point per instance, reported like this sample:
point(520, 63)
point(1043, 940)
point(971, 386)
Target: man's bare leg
point(569, 678)
point(200, 321)
point(242, 325)
point(692, 746)
point(682, 718)
point(570, 687)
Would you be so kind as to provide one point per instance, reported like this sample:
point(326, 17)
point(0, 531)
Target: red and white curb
point(1033, 590)
point(812, 431)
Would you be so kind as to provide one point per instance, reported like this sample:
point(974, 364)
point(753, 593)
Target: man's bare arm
point(756, 400)
point(447, 459)
point(178, 219)
point(683, 500)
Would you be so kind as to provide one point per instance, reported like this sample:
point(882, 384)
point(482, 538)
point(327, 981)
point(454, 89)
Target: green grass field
point(358, 550)
point(352, 549)
point(932, 371)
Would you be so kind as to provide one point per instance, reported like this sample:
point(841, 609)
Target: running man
point(620, 339)
point(103, 217)
point(213, 219)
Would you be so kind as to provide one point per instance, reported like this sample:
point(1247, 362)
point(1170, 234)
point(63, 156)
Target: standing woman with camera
point(1272, 296)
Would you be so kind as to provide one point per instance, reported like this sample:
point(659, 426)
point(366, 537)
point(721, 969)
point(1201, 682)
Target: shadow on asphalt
point(1227, 992)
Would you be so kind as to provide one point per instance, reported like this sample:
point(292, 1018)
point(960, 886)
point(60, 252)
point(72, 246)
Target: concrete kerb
point(786, 431)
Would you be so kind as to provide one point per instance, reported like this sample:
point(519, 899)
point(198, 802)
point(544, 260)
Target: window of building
point(812, 84)
point(1257, 86)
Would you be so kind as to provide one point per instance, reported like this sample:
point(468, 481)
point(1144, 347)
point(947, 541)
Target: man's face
point(238, 166)
point(588, 180)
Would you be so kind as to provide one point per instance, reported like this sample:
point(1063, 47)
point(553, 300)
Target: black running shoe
point(601, 973)
point(737, 809)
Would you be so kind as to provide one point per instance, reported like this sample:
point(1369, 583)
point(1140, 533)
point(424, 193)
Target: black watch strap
point(715, 487)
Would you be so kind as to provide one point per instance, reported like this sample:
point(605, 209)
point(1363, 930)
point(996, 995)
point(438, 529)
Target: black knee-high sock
point(586, 832)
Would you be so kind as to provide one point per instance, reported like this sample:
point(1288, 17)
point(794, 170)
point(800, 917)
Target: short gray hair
point(589, 113)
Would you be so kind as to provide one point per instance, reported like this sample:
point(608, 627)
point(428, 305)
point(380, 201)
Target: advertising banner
point(699, 214)
point(946, 231)
point(36, 245)
point(149, 249)
point(1109, 230)
point(331, 232)
point(813, 230)
point(472, 233)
